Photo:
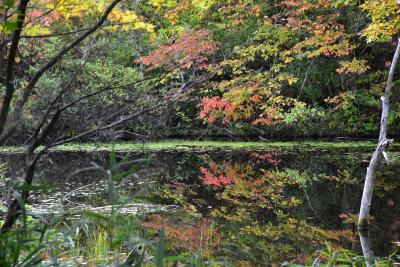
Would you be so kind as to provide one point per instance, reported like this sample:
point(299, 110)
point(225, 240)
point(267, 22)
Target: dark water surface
point(252, 205)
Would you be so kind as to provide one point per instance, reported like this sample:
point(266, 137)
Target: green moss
point(198, 145)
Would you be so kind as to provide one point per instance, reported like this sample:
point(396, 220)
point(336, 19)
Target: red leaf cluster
point(44, 18)
point(218, 176)
point(189, 50)
point(215, 106)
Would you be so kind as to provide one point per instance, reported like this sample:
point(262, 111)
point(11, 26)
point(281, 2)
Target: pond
point(247, 205)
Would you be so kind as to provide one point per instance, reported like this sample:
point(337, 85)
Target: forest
point(199, 133)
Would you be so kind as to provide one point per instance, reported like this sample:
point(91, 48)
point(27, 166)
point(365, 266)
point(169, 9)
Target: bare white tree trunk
point(380, 151)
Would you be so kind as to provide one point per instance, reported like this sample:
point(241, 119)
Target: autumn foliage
point(190, 236)
point(190, 49)
point(219, 176)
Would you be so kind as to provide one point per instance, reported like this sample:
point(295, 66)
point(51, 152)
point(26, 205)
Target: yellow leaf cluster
point(385, 20)
point(354, 66)
point(35, 29)
point(76, 8)
point(128, 20)
point(160, 4)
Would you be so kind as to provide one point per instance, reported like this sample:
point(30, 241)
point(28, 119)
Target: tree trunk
point(380, 151)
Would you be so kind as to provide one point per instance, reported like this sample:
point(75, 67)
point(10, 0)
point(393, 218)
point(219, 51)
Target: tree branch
point(9, 80)
point(28, 89)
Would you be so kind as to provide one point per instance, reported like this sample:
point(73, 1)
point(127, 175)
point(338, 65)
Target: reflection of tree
point(366, 247)
point(188, 234)
point(261, 210)
point(228, 173)
point(272, 157)
point(219, 176)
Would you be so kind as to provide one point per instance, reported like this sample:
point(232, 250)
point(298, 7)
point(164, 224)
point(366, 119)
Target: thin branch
point(305, 78)
point(31, 158)
point(59, 96)
point(41, 16)
point(28, 89)
point(116, 123)
point(51, 35)
point(102, 90)
point(108, 126)
point(44, 131)
point(51, 106)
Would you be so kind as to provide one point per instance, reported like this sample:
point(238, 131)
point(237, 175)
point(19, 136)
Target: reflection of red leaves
point(291, 3)
point(218, 176)
point(190, 235)
point(337, 235)
point(257, 98)
point(228, 173)
point(349, 218)
point(270, 157)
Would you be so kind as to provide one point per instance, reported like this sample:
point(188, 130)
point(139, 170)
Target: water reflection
point(366, 247)
point(255, 207)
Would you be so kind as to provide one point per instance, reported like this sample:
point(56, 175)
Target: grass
point(196, 145)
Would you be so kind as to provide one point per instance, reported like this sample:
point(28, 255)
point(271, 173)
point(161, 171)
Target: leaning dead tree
point(380, 151)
